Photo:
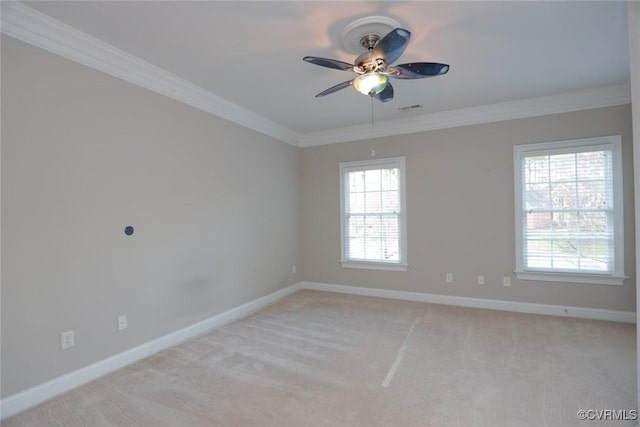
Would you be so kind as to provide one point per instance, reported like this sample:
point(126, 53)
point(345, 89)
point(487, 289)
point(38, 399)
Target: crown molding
point(606, 96)
point(33, 27)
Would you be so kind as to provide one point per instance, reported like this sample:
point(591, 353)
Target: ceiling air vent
point(409, 108)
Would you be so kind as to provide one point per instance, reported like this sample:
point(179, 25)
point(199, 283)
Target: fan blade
point(329, 63)
point(418, 70)
point(392, 45)
point(335, 88)
point(385, 95)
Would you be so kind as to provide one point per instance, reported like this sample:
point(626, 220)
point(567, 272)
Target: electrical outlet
point(449, 278)
point(293, 269)
point(122, 322)
point(480, 280)
point(67, 340)
point(506, 281)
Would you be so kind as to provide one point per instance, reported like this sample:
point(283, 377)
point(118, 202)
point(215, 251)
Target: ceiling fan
point(374, 65)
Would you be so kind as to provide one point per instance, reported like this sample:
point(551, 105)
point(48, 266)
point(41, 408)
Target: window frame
point(373, 164)
point(613, 143)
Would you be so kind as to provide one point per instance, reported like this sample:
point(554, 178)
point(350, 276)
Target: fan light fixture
point(370, 83)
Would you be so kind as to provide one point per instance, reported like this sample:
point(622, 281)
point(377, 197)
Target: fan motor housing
point(366, 63)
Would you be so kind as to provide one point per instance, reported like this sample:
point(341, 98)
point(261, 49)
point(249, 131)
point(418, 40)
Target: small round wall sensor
point(128, 230)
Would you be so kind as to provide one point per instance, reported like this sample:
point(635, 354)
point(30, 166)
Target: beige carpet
point(323, 359)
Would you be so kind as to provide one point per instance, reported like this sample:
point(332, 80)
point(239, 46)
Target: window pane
point(536, 169)
point(390, 249)
point(562, 167)
point(356, 181)
point(390, 226)
point(536, 196)
point(372, 180)
point(374, 250)
point(356, 203)
point(564, 224)
point(356, 226)
point(595, 254)
point(356, 237)
point(373, 201)
point(595, 224)
point(592, 194)
point(565, 254)
point(372, 226)
point(594, 248)
point(538, 222)
point(390, 201)
point(598, 264)
point(390, 179)
point(540, 247)
point(538, 262)
point(592, 165)
point(563, 196)
point(356, 248)
point(538, 251)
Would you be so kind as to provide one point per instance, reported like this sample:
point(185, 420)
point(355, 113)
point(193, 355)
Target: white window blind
point(569, 210)
point(372, 201)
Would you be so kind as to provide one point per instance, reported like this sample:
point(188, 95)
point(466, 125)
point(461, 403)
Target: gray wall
point(634, 63)
point(460, 210)
point(214, 206)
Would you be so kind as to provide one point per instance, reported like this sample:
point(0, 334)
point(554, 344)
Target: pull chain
point(373, 148)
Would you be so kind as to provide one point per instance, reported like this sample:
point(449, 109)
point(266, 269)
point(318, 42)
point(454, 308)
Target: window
point(569, 221)
point(373, 221)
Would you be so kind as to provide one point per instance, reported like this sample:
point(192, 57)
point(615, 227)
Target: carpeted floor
point(324, 359)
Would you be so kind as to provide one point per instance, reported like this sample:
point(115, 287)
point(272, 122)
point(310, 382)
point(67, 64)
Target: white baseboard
point(38, 394)
point(520, 307)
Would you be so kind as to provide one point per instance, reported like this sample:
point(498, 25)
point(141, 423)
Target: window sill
point(589, 279)
point(374, 266)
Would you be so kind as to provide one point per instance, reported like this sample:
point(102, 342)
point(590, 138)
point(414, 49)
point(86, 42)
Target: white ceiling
point(250, 53)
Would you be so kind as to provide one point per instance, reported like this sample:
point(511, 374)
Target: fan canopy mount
point(361, 35)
